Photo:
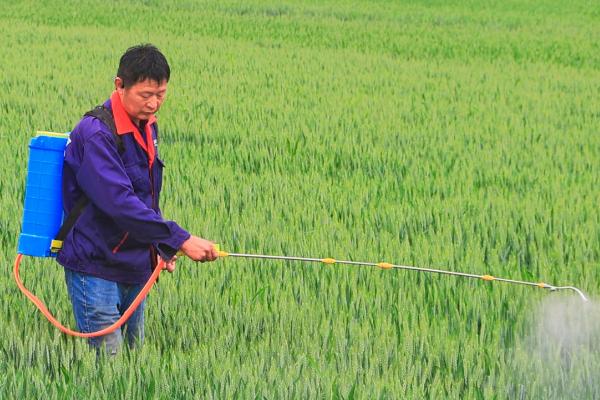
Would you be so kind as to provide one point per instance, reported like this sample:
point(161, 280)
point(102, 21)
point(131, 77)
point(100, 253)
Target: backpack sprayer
point(43, 216)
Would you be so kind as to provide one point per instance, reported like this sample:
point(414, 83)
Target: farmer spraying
point(112, 179)
point(111, 237)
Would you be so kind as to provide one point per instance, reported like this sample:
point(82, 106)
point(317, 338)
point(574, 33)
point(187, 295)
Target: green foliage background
point(457, 135)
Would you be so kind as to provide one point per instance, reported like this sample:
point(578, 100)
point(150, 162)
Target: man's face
point(142, 99)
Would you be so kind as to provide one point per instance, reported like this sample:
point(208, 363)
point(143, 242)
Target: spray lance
point(386, 266)
point(43, 217)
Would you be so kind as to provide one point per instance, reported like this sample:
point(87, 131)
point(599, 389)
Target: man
point(110, 251)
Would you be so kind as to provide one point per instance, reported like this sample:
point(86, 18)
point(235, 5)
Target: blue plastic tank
point(43, 210)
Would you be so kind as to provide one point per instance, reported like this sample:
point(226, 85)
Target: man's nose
point(152, 103)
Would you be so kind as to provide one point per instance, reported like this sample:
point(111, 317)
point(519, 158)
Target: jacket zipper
point(153, 256)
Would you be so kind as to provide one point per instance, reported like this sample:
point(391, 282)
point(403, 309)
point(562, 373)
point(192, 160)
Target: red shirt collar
point(124, 125)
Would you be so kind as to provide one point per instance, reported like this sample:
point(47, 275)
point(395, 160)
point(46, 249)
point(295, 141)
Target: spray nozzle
point(578, 291)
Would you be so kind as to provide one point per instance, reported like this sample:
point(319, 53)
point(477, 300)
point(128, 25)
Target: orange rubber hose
point(40, 305)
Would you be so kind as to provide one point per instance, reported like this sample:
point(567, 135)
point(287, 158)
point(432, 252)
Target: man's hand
point(199, 249)
point(170, 265)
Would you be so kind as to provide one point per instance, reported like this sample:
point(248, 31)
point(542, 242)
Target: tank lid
point(53, 134)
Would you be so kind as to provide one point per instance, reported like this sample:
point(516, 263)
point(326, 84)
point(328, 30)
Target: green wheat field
point(460, 135)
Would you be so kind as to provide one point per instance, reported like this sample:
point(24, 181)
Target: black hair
point(143, 62)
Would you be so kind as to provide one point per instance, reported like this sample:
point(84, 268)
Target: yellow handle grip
point(220, 253)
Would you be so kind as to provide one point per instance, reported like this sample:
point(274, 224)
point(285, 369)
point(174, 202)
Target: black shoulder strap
point(104, 115)
point(68, 223)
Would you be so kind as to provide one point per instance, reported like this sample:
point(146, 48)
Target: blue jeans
point(98, 303)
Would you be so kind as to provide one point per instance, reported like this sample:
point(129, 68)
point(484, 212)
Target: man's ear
point(119, 84)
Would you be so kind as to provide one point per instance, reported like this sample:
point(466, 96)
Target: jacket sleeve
point(103, 179)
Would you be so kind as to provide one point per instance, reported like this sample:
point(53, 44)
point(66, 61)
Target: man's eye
point(145, 96)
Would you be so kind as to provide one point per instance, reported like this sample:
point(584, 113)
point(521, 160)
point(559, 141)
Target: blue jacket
point(120, 231)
